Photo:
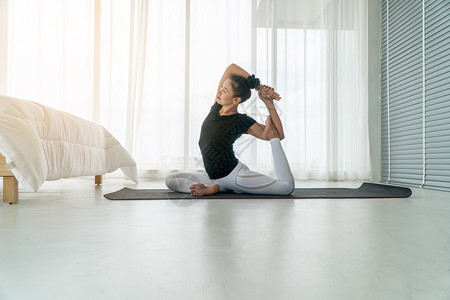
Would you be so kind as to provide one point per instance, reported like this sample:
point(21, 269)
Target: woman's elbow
point(232, 67)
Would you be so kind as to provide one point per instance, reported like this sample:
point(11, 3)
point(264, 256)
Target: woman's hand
point(267, 93)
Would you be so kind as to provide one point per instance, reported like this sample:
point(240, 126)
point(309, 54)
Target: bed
point(10, 184)
point(39, 143)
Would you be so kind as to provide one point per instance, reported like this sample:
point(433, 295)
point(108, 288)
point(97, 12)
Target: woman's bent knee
point(288, 188)
point(175, 182)
point(169, 181)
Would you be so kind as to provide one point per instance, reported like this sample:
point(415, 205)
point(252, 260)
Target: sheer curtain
point(148, 71)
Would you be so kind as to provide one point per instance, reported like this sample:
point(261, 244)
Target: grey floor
point(67, 242)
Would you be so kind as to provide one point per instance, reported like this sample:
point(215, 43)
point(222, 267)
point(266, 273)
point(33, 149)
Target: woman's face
point(225, 96)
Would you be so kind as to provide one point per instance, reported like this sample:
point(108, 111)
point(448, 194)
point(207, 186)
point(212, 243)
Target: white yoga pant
point(242, 179)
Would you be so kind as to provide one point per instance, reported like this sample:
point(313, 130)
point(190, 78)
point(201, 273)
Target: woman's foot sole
point(200, 189)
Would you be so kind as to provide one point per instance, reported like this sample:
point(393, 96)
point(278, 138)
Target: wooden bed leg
point(98, 179)
point(10, 190)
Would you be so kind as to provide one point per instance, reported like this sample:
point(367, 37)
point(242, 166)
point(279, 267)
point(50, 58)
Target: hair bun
point(252, 81)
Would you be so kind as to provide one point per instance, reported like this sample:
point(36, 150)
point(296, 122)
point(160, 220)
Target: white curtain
point(148, 71)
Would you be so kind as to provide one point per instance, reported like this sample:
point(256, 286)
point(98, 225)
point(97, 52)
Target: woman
point(221, 128)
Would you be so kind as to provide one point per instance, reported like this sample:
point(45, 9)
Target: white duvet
point(41, 143)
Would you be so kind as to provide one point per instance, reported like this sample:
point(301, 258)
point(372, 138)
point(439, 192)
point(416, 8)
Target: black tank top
point(216, 140)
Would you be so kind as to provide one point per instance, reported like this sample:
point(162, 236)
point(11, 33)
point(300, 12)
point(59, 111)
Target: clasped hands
point(267, 93)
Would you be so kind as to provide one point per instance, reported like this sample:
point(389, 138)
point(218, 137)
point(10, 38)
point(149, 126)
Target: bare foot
point(200, 189)
point(270, 132)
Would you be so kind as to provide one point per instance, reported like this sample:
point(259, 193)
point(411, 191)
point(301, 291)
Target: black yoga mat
point(366, 190)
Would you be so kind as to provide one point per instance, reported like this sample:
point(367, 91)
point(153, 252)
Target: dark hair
point(242, 86)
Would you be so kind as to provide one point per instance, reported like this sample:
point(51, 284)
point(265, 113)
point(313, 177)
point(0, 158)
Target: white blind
point(437, 94)
point(403, 35)
point(415, 92)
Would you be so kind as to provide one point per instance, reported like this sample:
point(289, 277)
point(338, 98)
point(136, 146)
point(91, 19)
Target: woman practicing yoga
point(221, 128)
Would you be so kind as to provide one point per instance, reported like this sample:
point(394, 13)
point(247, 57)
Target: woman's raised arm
point(232, 69)
point(268, 95)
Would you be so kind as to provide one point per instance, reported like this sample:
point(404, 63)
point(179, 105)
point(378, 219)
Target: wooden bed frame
point(11, 186)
